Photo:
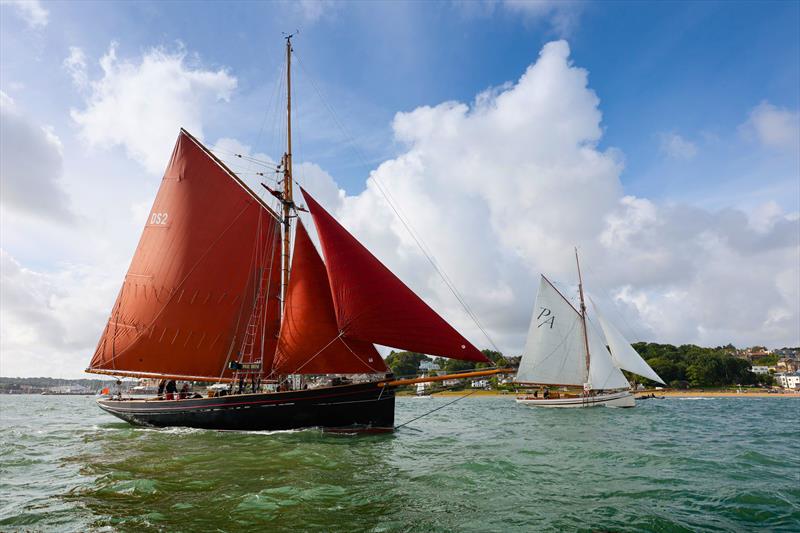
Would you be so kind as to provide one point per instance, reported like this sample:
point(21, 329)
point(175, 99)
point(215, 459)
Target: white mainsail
point(603, 373)
point(622, 352)
point(555, 351)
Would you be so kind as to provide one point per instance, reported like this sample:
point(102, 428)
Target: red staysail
point(187, 299)
point(373, 305)
point(309, 341)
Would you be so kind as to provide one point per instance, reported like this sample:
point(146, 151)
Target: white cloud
point(31, 11)
point(503, 189)
point(30, 165)
point(140, 105)
point(562, 15)
point(50, 321)
point(75, 64)
point(773, 127)
point(676, 147)
point(499, 190)
point(313, 10)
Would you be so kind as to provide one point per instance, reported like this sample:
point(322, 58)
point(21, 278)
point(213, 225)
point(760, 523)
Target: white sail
point(623, 353)
point(603, 373)
point(554, 351)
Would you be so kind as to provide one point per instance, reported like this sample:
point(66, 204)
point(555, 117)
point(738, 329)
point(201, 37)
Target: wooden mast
point(287, 201)
point(583, 313)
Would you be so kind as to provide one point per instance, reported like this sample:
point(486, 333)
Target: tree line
point(682, 366)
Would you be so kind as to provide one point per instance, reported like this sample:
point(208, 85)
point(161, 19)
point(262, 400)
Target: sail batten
point(185, 304)
point(373, 305)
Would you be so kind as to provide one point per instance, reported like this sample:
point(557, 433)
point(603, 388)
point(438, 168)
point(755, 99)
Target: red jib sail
point(309, 341)
point(208, 245)
point(373, 305)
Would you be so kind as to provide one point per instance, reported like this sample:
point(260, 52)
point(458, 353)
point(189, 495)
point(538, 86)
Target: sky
point(660, 138)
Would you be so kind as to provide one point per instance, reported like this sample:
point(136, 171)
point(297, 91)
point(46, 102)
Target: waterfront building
point(427, 366)
point(759, 369)
point(789, 380)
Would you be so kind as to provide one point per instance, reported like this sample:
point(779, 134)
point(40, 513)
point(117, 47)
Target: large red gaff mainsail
point(187, 299)
point(309, 341)
point(373, 305)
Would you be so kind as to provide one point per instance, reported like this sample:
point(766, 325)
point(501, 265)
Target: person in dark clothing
point(184, 391)
point(161, 385)
point(171, 389)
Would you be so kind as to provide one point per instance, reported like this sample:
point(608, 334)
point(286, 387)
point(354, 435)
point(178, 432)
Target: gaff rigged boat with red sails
point(218, 291)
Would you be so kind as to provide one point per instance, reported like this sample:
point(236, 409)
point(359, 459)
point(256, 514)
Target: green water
point(482, 464)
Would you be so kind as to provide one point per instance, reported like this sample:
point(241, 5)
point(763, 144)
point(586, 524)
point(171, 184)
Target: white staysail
point(623, 353)
point(603, 373)
point(554, 351)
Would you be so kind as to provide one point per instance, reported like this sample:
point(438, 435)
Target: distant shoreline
point(670, 394)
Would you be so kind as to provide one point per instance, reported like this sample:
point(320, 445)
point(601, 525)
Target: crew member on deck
point(184, 391)
point(171, 389)
point(161, 385)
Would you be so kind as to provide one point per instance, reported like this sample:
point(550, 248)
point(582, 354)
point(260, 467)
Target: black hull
point(359, 407)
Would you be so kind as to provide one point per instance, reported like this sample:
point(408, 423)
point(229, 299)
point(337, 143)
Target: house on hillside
point(789, 353)
point(427, 366)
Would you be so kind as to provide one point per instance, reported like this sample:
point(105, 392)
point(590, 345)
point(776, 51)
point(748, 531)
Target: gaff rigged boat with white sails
point(566, 349)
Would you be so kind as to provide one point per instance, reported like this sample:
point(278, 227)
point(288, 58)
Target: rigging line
point(436, 409)
point(238, 320)
point(275, 230)
point(273, 98)
point(396, 210)
point(613, 307)
point(270, 164)
point(296, 370)
point(358, 357)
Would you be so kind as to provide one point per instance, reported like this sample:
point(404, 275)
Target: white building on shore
point(789, 380)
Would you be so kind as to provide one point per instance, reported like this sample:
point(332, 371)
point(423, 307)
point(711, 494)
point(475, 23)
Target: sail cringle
point(373, 305)
point(310, 341)
point(190, 289)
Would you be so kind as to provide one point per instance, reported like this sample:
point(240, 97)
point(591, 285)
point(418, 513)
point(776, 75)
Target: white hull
point(615, 399)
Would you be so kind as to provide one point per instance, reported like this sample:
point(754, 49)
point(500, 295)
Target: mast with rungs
point(287, 201)
point(583, 314)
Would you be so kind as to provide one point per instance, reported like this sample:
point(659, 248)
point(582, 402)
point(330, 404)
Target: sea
point(481, 464)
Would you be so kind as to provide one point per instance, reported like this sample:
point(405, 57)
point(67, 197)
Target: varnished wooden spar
point(411, 381)
point(156, 375)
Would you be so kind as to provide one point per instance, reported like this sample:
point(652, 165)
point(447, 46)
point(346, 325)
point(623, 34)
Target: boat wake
point(697, 398)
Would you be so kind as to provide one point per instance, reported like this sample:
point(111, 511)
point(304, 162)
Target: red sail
point(373, 305)
point(309, 341)
point(188, 296)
